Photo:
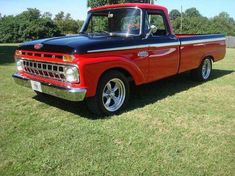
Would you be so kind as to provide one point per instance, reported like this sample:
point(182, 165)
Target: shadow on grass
point(141, 95)
point(7, 54)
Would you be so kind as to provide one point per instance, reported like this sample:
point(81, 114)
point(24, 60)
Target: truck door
point(163, 46)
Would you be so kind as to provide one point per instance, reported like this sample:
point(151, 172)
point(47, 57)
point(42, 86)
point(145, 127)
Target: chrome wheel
point(114, 94)
point(206, 69)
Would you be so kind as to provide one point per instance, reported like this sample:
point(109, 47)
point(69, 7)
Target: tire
point(112, 94)
point(203, 72)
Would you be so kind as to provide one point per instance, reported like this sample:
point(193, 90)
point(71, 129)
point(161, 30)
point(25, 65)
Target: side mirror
point(153, 29)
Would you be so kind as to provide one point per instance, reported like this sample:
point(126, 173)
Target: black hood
point(80, 44)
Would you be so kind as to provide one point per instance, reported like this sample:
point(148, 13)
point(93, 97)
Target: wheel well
point(123, 71)
point(211, 57)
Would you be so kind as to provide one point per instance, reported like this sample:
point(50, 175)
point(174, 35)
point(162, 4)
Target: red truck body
point(147, 60)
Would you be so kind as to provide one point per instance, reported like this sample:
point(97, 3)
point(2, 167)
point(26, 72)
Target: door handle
point(143, 54)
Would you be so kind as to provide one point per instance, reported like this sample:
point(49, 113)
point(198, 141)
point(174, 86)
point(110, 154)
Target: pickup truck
point(118, 45)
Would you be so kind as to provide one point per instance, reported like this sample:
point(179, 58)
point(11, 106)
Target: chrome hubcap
point(114, 94)
point(206, 68)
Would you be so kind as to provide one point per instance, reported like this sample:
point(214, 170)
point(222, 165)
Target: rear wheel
point(203, 72)
point(112, 94)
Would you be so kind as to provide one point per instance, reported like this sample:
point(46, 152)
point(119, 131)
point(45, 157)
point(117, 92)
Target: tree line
point(194, 23)
point(96, 3)
point(32, 24)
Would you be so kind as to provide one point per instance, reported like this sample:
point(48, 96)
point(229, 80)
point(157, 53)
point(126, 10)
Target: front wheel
point(203, 72)
point(112, 94)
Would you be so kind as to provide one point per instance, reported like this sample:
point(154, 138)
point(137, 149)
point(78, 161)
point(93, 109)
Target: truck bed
point(194, 47)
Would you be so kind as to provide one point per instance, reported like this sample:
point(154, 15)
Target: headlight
point(71, 74)
point(19, 65)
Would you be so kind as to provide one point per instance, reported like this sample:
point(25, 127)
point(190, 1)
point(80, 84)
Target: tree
point(28, 25)
point(223, 23)
point(192, 22)
point(66, 24)
point(47, 15)
point(192, 12)
point(96, 3)
point(59, 16)
point(174, 14)
point(8, 29)
point(30, 14)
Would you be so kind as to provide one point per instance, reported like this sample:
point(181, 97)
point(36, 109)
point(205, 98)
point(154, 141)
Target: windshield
point(125, 21)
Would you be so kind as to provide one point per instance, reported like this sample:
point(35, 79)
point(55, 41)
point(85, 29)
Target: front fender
point(92, 69)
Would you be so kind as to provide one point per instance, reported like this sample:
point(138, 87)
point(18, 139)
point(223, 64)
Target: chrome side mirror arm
point(152, 30)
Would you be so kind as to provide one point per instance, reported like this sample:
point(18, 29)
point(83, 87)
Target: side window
point(158, 21)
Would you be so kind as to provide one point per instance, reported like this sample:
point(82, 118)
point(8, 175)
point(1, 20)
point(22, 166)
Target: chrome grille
point(43, 69)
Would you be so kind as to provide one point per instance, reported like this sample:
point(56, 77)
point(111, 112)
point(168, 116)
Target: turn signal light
point(68, 58)
point(18, 52)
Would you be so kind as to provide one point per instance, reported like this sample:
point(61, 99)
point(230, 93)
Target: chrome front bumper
point(72, 94)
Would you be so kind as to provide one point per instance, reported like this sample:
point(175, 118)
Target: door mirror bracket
point(153, 29)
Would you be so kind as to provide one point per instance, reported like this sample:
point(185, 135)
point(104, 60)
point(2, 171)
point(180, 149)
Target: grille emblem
point(38, 46)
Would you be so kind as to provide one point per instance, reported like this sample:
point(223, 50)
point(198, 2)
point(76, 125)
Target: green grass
point(171, 127)
point(9, 44)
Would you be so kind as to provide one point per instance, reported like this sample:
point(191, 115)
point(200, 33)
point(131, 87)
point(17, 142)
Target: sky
point(78, 8)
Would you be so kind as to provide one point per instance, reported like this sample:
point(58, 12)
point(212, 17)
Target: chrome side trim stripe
point(158, 45)
point(118, 48)
point(136, 47)
point(164, 44)
point(202, 41)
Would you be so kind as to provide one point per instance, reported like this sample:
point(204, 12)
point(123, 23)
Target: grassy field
point(171, 127)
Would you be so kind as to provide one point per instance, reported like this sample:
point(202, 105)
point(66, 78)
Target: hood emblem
point(38, 46)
